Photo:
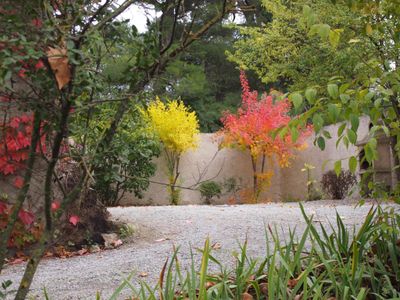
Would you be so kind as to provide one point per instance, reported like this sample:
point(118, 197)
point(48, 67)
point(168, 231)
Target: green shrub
point(209, 190)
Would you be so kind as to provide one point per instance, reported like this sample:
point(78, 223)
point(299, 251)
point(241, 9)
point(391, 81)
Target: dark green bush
point(209, 190)
point(338, 186)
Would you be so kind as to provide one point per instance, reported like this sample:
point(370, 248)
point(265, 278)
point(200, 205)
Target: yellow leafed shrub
point(175, 125)
point(177, 128)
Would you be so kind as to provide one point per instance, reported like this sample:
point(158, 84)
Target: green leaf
point(334, 38)
point(338, 167)
point(352, 164)
point(295, 134)
point(344, 98)
point(333, 112)
point(355, 122)
point(324, 30)
point(297, 100)
point(321, 143)
point(311, 95)
point(370, 150)
point(352, 136)
point(327, 134)
point(318, 122)
point(341, 129)
point(333, 90)
point(368, 29)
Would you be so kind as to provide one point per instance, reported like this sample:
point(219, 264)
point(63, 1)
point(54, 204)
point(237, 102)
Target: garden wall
point(208, 162)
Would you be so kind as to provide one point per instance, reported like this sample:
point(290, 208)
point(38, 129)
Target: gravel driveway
point(158, 228)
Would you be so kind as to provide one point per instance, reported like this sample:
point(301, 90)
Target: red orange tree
point(254, 128)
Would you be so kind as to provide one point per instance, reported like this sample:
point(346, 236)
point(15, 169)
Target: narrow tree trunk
point(47, 235)
point(255, 177)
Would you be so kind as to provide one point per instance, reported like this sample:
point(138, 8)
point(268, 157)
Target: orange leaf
point(143, 274)
point(58, 61)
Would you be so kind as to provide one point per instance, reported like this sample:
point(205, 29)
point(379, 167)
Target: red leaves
point(26, 217)
point(55, 205)
point(16, 140)
point(3, 208)
point(18, 182)
point(252, 126)
point(22, 73)
point(39, 65)
point(38, 23)
point(74, 220)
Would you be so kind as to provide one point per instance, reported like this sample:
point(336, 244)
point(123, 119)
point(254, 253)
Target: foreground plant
point(344, 264)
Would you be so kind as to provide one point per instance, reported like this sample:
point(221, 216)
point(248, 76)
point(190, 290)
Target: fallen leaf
point(264, 288)
point(117, 243)
point(58, 61)
point(216, 246)
point(16, 261)
point(209, 284)
point(292, 283)
point(298, 297)
point(162, 240)
point(83, 251)
point(143, 274)
point(247, 296)
point(49, 254)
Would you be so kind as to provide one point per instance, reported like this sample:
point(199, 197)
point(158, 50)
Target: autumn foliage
point(254, 128)
point(16, 140)
point(177, 128)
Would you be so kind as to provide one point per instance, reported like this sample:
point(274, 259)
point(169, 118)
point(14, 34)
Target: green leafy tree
point(287, 55)
point(374, 90)
point(127, 165)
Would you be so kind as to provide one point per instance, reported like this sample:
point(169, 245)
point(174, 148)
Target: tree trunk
point(255, 178)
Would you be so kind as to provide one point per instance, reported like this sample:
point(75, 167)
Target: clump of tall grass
point(324, 262)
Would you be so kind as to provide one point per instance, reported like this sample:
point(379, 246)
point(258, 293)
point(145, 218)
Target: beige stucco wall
point(287, 184)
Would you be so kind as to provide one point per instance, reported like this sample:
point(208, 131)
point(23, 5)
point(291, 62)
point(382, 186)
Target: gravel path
point(158, 228)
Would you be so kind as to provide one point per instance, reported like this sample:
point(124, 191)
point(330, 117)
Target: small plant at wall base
point(177, 128)
point(338, 186)
point(209, 190)
point(312, 192)
point(252, 129)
